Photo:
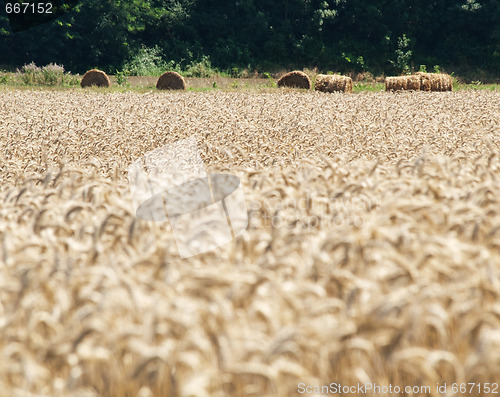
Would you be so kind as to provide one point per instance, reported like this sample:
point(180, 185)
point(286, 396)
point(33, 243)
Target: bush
point(53, 74)
point(234, 72)
point(202, 68)
point(403, 55)
point(122, 78)
point(50, 75)
point(30, 74)
point(70, 80)
point(148, 62)
point(352, 62)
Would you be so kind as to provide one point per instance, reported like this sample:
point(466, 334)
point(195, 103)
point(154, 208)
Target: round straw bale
point(395, 83)
point(413, 83)
point(435, 82)
point(332, 83)
point(171, 81)
point(398, 83)
point(446, 82)
point(95, 77)
point(296, 79)
point(425, 81)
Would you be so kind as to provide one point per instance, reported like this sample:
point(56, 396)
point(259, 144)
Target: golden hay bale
point(171, 81)
point(332, 83)
point(395, 83)
point(296, 79)
point(425, 81)
point(447, 82)
point(95, 77)
point(413, 83)
point(435, 82)
point(398, 83)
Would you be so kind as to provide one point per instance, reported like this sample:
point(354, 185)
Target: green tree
point(340, 35)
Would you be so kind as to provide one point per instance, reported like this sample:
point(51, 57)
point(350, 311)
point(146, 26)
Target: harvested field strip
point(371, 253)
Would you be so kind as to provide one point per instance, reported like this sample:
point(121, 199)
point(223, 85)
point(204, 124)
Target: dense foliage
point(334, 35)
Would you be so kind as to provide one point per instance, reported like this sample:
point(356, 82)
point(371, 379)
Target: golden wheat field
point(371, 257)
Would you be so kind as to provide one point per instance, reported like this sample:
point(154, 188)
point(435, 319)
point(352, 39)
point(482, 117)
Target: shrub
point(403, 55)
point(147, 62)
point(30, 74)
point(235, 73)
point(203, 68)
point(51, 74)
point(71, 80)
point(122, 77)
point(352, 62)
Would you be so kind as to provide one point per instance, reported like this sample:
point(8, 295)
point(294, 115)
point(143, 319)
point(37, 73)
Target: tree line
point(379, 36)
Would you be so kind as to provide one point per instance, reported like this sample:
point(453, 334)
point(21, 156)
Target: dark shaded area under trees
point(379, 36)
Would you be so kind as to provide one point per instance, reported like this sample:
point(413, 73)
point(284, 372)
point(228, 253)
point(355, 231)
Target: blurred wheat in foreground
point(372, 252)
